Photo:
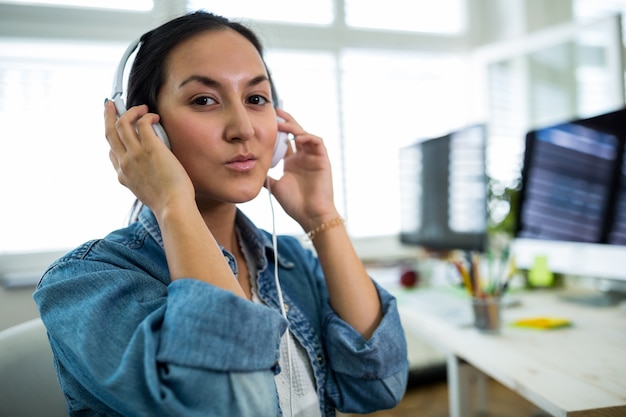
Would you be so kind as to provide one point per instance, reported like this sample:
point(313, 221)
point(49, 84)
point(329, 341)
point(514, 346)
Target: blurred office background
point(369, 77)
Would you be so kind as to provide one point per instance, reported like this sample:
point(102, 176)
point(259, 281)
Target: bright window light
point(59, 188)
point(441, 16)
point(137, 5)
point(390, 100)
point(318, 12)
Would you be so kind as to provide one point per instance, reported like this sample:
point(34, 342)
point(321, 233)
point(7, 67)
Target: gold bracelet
point(324, 226)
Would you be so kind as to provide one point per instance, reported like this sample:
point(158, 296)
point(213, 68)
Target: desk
point(579, 371)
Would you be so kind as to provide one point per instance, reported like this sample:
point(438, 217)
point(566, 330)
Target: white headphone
point(282, 141)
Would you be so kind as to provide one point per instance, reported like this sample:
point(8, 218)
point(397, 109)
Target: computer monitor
point(444, 191)
point(573, 197)
point(573, 181)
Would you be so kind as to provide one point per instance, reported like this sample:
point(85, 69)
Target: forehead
point(215, 51)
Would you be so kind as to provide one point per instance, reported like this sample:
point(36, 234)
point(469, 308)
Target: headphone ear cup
point(280, 148)
point(120, 106)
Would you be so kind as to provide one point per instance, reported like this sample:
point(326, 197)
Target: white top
point(295, 382)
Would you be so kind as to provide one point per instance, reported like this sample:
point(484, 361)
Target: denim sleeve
point(367, 375)
point(127, 343)
point(363, 375)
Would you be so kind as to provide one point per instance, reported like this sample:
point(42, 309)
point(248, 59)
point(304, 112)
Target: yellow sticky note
point(543, 322)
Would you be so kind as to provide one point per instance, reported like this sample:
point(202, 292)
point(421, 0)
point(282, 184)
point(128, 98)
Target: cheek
point(191, 143)
point(181, 130)
point(270, 134)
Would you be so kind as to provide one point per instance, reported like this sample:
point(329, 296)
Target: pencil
point(464, 275)
point(510, 273)
point(475, 275)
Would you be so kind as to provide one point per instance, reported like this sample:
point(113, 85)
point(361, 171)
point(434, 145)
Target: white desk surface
point(575, 371)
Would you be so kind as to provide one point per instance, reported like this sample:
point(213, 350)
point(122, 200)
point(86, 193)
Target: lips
point(242, 163)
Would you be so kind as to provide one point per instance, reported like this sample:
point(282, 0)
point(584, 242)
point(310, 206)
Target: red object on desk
point(409, 278)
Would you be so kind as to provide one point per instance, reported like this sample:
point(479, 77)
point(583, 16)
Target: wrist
point(323, 226)
point(175, 210)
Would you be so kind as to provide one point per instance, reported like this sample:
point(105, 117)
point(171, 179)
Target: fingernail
point(106, 100)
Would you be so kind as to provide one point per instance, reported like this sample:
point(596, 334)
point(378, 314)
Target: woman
point(179, 314)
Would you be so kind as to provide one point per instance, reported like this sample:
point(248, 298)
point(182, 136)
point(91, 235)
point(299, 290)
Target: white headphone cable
point(280, 297)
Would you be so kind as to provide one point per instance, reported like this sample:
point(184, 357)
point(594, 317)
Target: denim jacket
point(128, 341)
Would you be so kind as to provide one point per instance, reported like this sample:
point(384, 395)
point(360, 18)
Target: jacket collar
point(260, 241)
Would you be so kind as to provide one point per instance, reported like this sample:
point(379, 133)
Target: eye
point(258, 100)
point(204, 101)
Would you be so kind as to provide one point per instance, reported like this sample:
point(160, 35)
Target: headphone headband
point(118, 79)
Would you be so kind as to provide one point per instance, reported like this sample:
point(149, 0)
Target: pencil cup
point(487, 314)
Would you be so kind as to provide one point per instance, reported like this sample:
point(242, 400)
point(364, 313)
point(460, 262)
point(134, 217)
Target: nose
point(238, 124)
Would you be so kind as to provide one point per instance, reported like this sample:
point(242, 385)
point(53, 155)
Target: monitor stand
point(609, 296)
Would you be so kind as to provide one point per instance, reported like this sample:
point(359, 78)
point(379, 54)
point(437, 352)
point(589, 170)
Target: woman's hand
point(142, 161)
point(305, 190)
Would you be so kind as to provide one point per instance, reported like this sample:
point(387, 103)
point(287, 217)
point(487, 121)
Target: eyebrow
point(210, 82)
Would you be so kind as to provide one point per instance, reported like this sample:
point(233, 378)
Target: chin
point(243, 194)
point(246, 196)
point(229, 189)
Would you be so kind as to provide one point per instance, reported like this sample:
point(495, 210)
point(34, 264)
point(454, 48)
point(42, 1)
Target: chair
point(28, 384)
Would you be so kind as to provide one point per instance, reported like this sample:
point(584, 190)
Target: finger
point(282, 113)
point(289, 125)
point(110, 131)
point(126, 127)
point(310, 144)
point(145, 129)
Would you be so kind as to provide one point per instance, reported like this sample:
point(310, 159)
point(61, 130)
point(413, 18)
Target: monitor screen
point(572, 179)
point(617, 232)
point(444, 191)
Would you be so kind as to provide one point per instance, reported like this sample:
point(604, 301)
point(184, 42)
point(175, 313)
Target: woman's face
point(215, 106)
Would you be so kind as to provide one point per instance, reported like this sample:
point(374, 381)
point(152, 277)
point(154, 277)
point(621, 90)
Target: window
point(442, 16)
point(365, 103)
point(551, 76)
point(57, 177)
point(362, 76)
point(584, 9)
point(137, 5)
point(318, 12)
point(390, 100)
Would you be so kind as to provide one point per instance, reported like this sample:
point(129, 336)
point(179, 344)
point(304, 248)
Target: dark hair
point(147, 74)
